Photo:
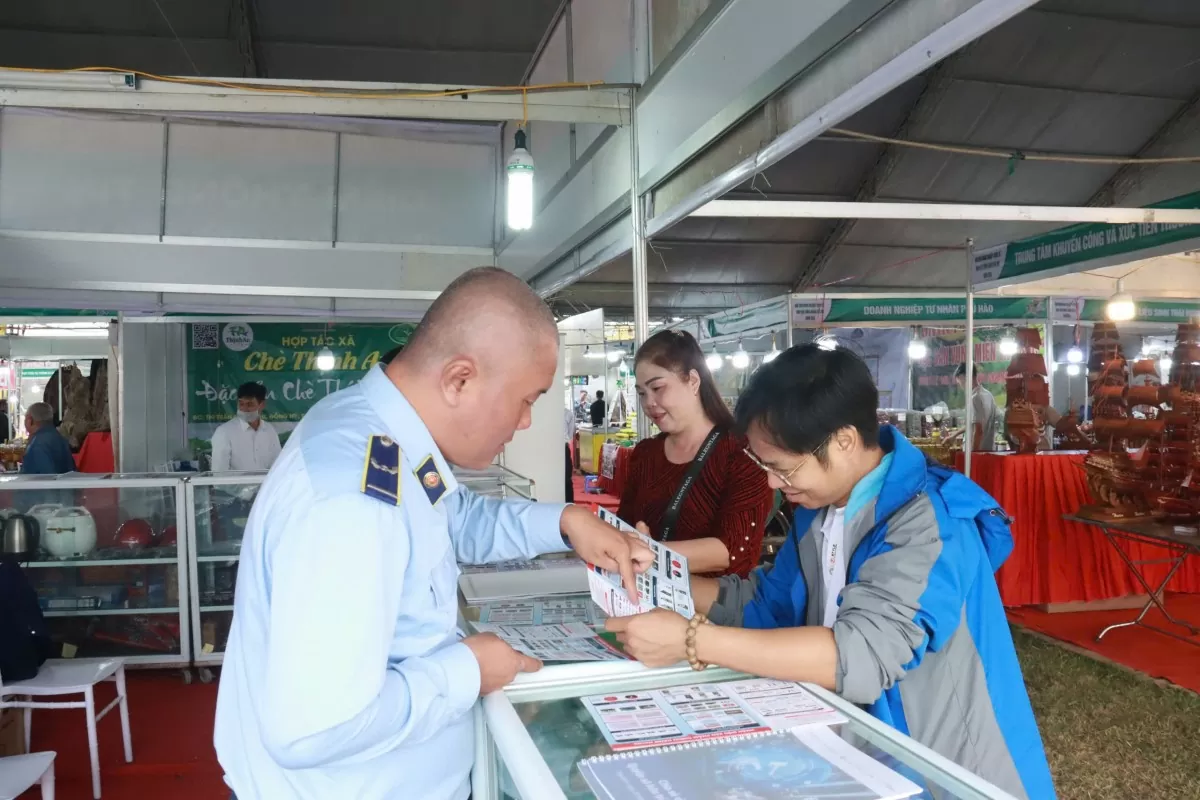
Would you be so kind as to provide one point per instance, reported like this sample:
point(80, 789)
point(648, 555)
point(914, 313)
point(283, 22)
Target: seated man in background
point(47, 452)
point(247, 442)
point(884, 591)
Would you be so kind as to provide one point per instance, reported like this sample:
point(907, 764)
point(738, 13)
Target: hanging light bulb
point(917, 350)
point(519, 172)
point(1072, 369)
point(774, 354)
point(1074, 356)
point(623, 367)
point(326, 360)
point(1164, 365)
point(1008, 345)
point(615, 355)
point(741, 359)
point(1121, 307)
point(714, 361)
point(827, 342)
point(589, 353)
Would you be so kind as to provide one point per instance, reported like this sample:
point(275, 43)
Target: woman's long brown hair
point(679, 352)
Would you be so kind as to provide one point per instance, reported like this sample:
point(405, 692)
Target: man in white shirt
point(247, 442)
point(984, 412)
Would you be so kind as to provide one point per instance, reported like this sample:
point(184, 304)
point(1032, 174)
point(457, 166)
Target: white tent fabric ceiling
point(1069, 77)
point(460, 42)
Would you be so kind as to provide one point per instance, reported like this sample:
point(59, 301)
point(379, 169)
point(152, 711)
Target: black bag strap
point(671, 515)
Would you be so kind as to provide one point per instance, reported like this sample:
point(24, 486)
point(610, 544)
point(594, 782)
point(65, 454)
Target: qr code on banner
point(205, 337)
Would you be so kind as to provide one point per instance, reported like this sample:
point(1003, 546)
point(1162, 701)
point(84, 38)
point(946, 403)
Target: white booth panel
point(63, 173)
point(549, 142)
point(408, 191)
point(247, 183)
point(602, 41)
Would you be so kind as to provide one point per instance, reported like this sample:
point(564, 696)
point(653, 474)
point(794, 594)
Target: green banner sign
point(37, 372)
point(1145, 311)
point(912, 310)
point(282, 357)
point(1085, 243)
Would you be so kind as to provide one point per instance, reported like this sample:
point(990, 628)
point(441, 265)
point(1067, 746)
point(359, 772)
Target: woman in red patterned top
point(720, 522)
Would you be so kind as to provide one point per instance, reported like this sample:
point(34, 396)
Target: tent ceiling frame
point(605, 104)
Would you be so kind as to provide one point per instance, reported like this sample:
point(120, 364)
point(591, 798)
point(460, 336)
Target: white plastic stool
point(18, 773)
point(59, 677)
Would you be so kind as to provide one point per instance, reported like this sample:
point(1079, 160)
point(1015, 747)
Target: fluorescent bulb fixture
point(615, 355)
point(1164, 364)
point(771, 356)
point(590, 353)
point(1072, 369)
point(1008, 345)
point(85, 81)
point(1074, 356)
point(741, 359)
point(1120, 307)
point(917, 350)
point(714, 361)
point(519, 172)
point(827, 342)
point(326, 360)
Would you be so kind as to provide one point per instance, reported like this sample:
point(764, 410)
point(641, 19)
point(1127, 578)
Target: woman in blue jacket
point(884, 591)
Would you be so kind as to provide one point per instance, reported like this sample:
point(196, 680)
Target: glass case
point(218, 506)
point(110, 568)
point(496, 481)
point(531, 736)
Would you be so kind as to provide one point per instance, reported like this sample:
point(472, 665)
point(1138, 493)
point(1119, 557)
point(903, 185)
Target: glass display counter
point(110, 569)
point(218, 508)
point(531, 736)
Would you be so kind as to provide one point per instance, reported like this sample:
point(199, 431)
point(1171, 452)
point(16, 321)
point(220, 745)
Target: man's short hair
point(253, 390)
point(600, 394)
point(41, 413)
point(961, 371)
point(806, 395)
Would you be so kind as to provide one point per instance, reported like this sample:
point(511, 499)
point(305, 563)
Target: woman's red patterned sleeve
point(742, 517)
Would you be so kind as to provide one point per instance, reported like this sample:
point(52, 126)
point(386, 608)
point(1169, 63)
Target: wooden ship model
point(1028, 392)
point(1117, 481)
point(1178, 466)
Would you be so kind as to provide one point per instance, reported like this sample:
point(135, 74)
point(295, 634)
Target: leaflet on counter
point(683, 714)
point(667, 584)
point(573, 641)
point(548, 611)
point(802, 764)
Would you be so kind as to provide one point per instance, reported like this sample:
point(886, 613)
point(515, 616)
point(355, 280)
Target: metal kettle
point(20, 537)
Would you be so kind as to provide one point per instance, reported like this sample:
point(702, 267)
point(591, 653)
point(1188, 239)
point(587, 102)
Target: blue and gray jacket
point(922, 640)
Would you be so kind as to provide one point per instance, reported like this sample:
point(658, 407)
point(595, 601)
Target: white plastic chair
point(59, 677)
point(18, 773)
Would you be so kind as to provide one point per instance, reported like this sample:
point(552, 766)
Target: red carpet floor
point(173, 755)
point(1138, 648)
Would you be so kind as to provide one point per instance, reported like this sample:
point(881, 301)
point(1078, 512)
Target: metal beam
point(242, 24)
point(938, 82)
point(947, 211)
point(601, 104)
point(908, 38)
point(1118, 187)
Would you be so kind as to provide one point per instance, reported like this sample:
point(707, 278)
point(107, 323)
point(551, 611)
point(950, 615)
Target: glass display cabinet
point(110, 569)
point(218, 507)
point(496, 481)
point(531, 736)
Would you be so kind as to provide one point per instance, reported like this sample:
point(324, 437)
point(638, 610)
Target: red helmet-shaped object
point(135, 534)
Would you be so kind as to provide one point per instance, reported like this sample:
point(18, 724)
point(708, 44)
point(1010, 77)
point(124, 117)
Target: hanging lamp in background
point(917, 349)
point(714, 360)
point(774, 354)
point(519, 175)
point(326, 360)
point(1008, 344)
point(1121, 307)
point(740, 359)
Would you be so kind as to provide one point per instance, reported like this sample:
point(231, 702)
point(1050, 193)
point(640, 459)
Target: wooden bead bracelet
point(690, 641)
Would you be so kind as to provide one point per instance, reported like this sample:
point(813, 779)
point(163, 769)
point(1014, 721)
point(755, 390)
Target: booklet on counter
point(811, 763)
point(667, 584)
point(699, 712)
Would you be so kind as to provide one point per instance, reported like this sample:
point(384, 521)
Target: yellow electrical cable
point(1019, 155)
point(326, 93)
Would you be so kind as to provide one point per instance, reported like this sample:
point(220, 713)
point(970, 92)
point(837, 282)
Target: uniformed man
point(345, 676)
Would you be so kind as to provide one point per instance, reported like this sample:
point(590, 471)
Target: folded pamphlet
point(667, 584)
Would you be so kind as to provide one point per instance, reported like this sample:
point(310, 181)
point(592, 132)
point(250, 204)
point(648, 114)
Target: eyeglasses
point(785, 477)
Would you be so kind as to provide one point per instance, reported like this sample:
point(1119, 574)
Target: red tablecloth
point(616, 484)
point(1055, 561)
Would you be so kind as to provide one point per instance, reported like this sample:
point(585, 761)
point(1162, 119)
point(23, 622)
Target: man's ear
point(456, 375)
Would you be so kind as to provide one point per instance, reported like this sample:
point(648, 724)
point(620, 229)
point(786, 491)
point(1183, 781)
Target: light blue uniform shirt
point(344, 676)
